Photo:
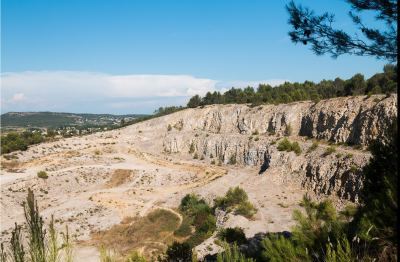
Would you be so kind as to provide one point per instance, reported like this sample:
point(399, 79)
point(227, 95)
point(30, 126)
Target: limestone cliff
point(223, 131)
point(346, 119)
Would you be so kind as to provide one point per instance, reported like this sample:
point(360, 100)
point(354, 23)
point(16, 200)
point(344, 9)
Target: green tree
point(379, 193)
point(51, 133)
point(317, 30)
point(256, 99)
point(122, 122)
point(232, 235)
point(194, 101)
point(389, 67)
point(178, 252)
point(285, 98)
point(241, 97)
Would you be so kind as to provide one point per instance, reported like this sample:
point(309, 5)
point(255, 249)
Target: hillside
point(47, 119)
point(100, 181)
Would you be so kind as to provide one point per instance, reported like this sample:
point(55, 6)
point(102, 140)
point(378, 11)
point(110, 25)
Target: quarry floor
point(87, 190)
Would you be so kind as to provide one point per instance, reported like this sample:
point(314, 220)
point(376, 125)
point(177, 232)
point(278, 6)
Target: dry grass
point(120, 177)
point(10, 164)
point(146, 234)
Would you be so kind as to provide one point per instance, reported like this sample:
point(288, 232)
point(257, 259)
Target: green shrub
point(231, 253)
point(348, 213)
point(212, 162)
point(260, 107)
point(285, 145)
point(257, 138)
point(309, 150)
point(140, 131)
point(330, 150)
point(42, 174)
point(349, 155)
point(369, 94)
point(245, 208)
point(169, 128)
point(232, 159)
point(207, 135)
point(96, 152)
point(273, 142)
point(235, 195)
point(288, 130)
point(219, 163)
point(219, 201)
point(251, 137)
point(196, 135)
point(353, 168)
point(271, 132)
point(196, 156)
point(211, 155)
point(135, 256)
point(178, 252)
point(296, 148)
point(191, 149)
point(202, 157)
point(194, 240)
point(255, 132)
point(232, 235)
point(209, 224)
point(339, 155)
point(314, 145)
point(376, 100)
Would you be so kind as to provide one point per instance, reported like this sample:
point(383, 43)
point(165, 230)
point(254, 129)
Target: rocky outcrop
point(313, 171)
point(346, 119)
point(223, 132)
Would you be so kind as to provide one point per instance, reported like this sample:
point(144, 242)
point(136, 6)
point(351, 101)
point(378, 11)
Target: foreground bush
point(177, 252)
point(197, 213)
point(36, 245)
point(232, 235)
point(232, 253)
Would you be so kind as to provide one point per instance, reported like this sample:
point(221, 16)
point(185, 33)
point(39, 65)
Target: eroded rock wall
point(347, 119)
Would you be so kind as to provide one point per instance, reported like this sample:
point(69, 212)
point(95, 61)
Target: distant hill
point(47, 119)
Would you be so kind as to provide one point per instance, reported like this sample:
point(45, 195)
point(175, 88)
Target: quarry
point(99, 181)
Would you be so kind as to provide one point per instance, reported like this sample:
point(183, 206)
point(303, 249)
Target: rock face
point(346, 119)
point(223, 132)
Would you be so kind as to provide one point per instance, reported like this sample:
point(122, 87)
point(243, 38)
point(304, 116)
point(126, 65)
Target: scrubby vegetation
point(36, 245)
point(232, 235)
point(196, 214)
point(236, 198)
point(329, 150)
point(285, 145)
point(14, 141)
point(42, 174)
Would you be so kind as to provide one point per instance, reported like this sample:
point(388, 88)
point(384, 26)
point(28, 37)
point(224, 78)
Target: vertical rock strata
point(352, 120)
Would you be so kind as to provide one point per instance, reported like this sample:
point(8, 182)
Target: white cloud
point(72, 91)
point(16, 98)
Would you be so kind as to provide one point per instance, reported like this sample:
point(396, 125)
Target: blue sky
point(124, 57)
